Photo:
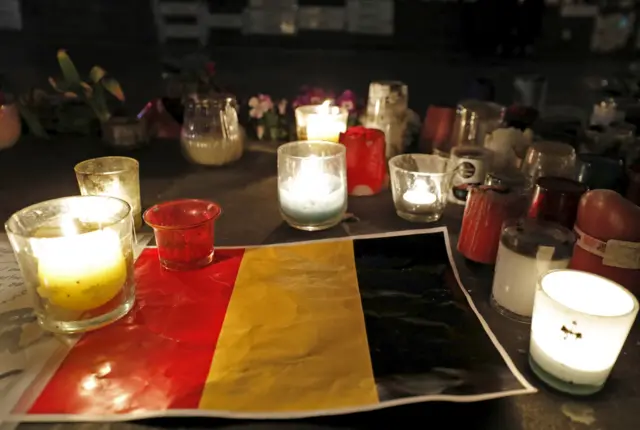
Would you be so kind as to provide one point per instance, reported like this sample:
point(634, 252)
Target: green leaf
point(69, 70)
point(114, 88)
point(32, 122)
point(60, 87)
point(99, 104)
point(96, 74)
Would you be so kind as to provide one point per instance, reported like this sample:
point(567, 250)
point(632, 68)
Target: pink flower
point(265, 102)
point(256, 110)
point(347, 100)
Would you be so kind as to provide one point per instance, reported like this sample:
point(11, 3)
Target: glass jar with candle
point(547, 158)
point(556, 199)
point(112, 176)
point(527, 250)
point(211, 134)
point(312, 184)
point(76, 259)
point(580, 323)
point(419, 185)
point(387, 107)
point(321, 122)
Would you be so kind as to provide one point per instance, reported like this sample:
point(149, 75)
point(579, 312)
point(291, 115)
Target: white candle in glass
point(528, 249)
point(419, 194)
point(580, 323)
point(323, 122)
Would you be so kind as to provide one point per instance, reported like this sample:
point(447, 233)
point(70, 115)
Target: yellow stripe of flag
point(294, 337)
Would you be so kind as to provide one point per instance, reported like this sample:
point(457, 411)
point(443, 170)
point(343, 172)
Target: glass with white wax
point(321, 122)
point(579, 325)
point(76, 258)
point(528, 249)
point(312, 184)
point(419, 185)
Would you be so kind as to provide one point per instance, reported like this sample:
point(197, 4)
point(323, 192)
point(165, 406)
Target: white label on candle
point(516, 275)
point(623, 254)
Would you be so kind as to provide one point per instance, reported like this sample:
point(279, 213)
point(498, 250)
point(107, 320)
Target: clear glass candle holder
point(580, 323)
point(420, 184)
point(76, 259)
point(112, 176)
point(312, 184)
point(321, 122)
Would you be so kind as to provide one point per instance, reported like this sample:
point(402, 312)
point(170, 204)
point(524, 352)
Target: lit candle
point(580, 323)
point(322, 122)
point(312, 196)
point(79, 271)
point(528, 249)
point(419, 194)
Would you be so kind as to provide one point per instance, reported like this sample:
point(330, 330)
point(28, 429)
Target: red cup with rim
point(184, 232)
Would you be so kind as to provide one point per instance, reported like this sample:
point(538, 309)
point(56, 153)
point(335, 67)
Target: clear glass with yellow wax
point(112, 176)
point(76, 259)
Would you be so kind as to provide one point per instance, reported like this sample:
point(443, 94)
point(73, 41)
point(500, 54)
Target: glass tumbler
point(321, 122)
point(76, 259)
point(547, 158)
point(420, 184)
point(211, 134)
point(184, 232)
point(556, 199)
point(312, 184)
point(112, 176)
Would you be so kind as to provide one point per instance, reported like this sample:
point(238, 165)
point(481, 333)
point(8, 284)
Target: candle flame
point(325, 107)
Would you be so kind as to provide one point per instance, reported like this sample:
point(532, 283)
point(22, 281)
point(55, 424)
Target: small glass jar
point(211, 134)
point(76, 259)
point(579, 325)
point(112, 176)
point(528, 249)
point(312, 184)
point(387, 107)
point(547, 158)
point(556, 199)
point(420, 184)
point(321, 122)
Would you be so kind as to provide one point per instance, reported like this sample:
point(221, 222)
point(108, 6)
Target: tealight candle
point(579, 325)
point(419, 184)
point(321, 122)
point(112, 176)
point(76, 257)
point(312, 187)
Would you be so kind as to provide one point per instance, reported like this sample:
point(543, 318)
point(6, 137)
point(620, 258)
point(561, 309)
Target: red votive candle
point(556, 199)
point(184, 232)
point(487, 208)
point(366, 162)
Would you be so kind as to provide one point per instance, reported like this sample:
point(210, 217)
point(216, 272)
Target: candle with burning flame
point(321, 122)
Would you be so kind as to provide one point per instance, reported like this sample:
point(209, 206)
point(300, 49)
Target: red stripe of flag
point(158, 356)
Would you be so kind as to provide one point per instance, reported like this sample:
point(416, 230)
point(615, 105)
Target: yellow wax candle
point(80, 272)
point(326, 123)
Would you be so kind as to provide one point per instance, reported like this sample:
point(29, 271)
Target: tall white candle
point(579, 325)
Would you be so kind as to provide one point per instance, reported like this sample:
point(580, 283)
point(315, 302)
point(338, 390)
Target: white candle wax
point(579, 325)
point(516, 276)
point(420, 195)
point(80, 272)
point(326, 123)
point(312, 196)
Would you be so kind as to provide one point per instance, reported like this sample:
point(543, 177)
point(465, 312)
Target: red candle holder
point(184, 232)
point(488, 207)
point(366, 162)
point(436, 130)
point(556, 199)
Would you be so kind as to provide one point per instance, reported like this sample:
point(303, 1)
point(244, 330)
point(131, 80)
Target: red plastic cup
point(184, 231)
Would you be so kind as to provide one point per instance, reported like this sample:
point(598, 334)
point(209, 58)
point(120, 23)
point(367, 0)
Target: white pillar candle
point(528, 249)
point(579, 325)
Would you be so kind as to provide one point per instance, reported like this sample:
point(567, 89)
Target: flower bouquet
point(271, 121)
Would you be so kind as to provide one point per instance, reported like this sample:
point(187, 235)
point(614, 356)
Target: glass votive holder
point(556, 199)
point(600, 172)
point(312, 184)
point(547, 158)
point(580, 323)
point(112, 176)
point(184, 231)
point(76, 259)
point(512, 180)
point(211, 134)
point(470, 163)
point(420, 184)
point(321, 122)
point(527, 250)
